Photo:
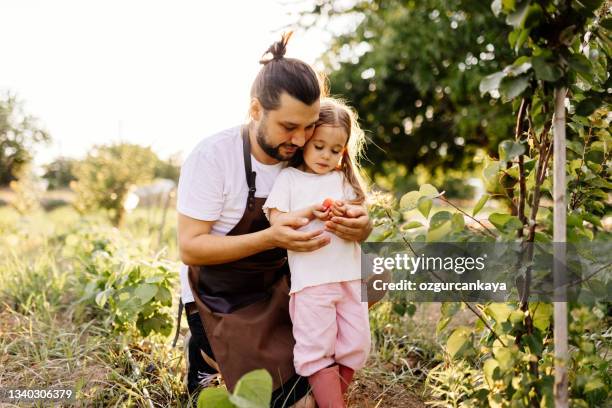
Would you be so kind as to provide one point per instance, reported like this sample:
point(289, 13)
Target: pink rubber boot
point(346, 376)
point(326, 387)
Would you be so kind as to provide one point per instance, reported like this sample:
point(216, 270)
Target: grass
point(49, 338)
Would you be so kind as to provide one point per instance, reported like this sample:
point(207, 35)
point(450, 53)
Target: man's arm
point(198, 247)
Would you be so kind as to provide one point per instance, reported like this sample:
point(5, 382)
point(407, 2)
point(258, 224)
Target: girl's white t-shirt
point(212, 186)
point(340, 260)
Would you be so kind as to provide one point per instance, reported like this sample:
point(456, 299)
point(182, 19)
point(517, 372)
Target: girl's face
point(324, 150)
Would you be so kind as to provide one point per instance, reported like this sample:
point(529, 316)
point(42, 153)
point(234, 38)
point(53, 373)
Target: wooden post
point(559, 239)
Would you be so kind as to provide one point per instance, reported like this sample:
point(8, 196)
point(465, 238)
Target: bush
point(108, 173)
point(59, 173)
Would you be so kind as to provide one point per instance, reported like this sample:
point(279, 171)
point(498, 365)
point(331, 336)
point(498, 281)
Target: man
point(237, 270)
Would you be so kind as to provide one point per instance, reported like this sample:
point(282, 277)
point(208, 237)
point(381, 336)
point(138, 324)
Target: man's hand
point(283, 234)
point(350, 222)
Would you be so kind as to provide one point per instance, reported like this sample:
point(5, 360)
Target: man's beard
point(269, 149)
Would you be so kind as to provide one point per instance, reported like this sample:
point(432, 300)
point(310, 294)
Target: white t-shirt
point(212, 186)
point(340, 260)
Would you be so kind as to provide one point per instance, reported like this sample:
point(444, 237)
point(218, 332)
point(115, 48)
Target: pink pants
point(330, 325)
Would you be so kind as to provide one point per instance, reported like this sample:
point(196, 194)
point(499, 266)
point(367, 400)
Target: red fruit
point(328, 203)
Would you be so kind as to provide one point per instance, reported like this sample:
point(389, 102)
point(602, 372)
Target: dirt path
point(368, 393)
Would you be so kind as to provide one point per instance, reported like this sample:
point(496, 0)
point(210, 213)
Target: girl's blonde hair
point(336, 113)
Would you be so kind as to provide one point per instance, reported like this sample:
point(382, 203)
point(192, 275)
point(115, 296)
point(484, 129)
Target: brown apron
point(244, 304)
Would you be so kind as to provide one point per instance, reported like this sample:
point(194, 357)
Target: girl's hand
point(354, 226)
point(338, 208)
point(321, 212)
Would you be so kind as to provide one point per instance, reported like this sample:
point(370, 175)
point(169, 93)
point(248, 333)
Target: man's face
point(282, 131)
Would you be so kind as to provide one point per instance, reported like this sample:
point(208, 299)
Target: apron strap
point(250, 174)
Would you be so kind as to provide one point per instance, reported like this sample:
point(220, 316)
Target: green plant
point(106, 175)
point(560, 45)
point(59, 173)
point(132, 290)
point(253, 390)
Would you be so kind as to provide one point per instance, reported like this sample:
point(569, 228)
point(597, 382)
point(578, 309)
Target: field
point(56, 331)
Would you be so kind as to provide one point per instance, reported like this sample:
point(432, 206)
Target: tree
point(563, 50)
point(59, 173)
point(169, 169)
point(107, 174)
point(412, 70)
point(19, 133)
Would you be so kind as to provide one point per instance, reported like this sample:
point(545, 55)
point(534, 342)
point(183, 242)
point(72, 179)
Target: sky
point(163, 74)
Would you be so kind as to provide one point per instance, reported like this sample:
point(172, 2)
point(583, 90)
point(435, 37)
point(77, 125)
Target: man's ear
point(255, 109)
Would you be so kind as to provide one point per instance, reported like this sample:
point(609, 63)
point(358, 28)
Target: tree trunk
point(559, 239)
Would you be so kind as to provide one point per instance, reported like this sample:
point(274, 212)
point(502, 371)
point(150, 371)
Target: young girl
point(330, 322)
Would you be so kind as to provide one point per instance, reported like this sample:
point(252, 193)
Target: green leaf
point(102, 297)
point(504, 357)
point(411, 225)
point(499, 311)
point(491, 82)
point(516, 317)
point(440, 232)
point(253, 390)
point(590, 5)
point(517, 18)
point(512, 87)
point(458, 222)
point(580, 63)
point(459, 343)
point(600, 182)
point(534, 16)
point(518, 67)
point(424, 205)
point(509, 150)
point(214, 398)
point(145, 292)
point(409, 200)
point(588, 106)
point(508, 5)
point(505, 222)
point(480, 204)
point(541, 314)
point(519, 38)
point(447, 310)
point(574, 220)
point(441, 325)
point(427, 190)
point(490, 370)
point(154, 279)
point(535, 345)
point(607, 24)
point(439, 218)
point(593, 219)
point(399, 308)
point(545, 70)
point(593, 385)
point(160, 323)
point(491, 172)
point(164, 296)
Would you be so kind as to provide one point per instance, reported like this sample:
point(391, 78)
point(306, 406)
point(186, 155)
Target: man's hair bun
point(277, 50)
